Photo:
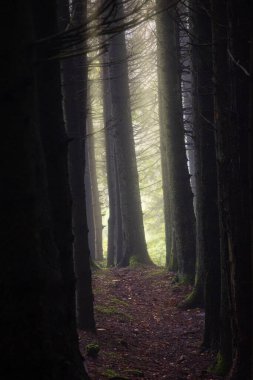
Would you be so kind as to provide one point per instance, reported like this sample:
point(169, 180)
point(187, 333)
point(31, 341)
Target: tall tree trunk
point(74, 74)
point(180, 195)
point(238, 222)
point(208, 237)
point(134, 244)
point(94, 193)
point(231, 39)
point(115, 233)
point(39, 332)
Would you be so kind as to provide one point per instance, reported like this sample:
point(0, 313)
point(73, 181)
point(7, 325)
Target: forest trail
point(141, 333)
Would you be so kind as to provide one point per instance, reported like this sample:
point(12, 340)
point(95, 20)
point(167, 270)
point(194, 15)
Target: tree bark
point(134, 244)
point(96, 216)
point(39, 338)
point(74, 76)
point(231, 36)
point(115, 233)
point(180, 195)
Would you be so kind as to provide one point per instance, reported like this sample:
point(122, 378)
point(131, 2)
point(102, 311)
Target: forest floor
point(140, 331)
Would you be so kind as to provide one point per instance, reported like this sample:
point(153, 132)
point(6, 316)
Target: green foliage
point(92, 349)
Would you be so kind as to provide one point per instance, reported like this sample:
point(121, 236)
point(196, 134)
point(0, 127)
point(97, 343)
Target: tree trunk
point(74, 74)
point(134, 244)
point(231, 36)
point(36, 270)
point(180, 195)
point(96, 225)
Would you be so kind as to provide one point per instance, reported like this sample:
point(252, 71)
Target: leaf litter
point(140, 331)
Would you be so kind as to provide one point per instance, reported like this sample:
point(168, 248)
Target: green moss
point(134, 262)
point(111, 374)
point(194, 299)
point(92, 349)
point(107, 309)
point(185, 279)
point(112, 310)
point(221, 367)
point(117, 301)
point(112, 355)
point(155, 272)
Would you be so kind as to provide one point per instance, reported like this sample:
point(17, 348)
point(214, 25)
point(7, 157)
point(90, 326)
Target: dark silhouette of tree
point(74, 76)
point(180, 202)
point(207, 280)
point(231, 39)
point(38, 334)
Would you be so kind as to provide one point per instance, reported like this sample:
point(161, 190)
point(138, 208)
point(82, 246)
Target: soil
point(141, 333)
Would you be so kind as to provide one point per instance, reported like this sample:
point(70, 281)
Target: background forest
point(127, 144)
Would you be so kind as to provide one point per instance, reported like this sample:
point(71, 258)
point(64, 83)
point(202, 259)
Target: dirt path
point(141, 333)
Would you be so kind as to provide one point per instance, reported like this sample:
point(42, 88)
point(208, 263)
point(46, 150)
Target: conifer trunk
point(134, 244)
point(171, 118)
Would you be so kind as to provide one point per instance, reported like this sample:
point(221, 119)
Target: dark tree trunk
point(231, 39)
point(180, 195)
point(238, 222)
point(134, 244)
point(208, 246)
point(39, 339)
point(207, 279)
point(74, 76)
point(115, 233)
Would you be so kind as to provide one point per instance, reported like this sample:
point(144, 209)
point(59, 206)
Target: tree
point(37, 268)
point(172, 130)
point(207, 283)
point(74, 86)
point(134, 244)
point(115, 237)
point(91, 185)
point(231, 32)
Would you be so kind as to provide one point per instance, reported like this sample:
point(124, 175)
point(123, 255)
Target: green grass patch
point(106, 309)
point(112, 310)
point(117, 301)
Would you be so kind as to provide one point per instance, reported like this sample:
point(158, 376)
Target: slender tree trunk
point(251, 172)
point(180, 195)
point(110, 163)
point(94, 193)
point(74, 74)
point(208, 237)
point(219, 29)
